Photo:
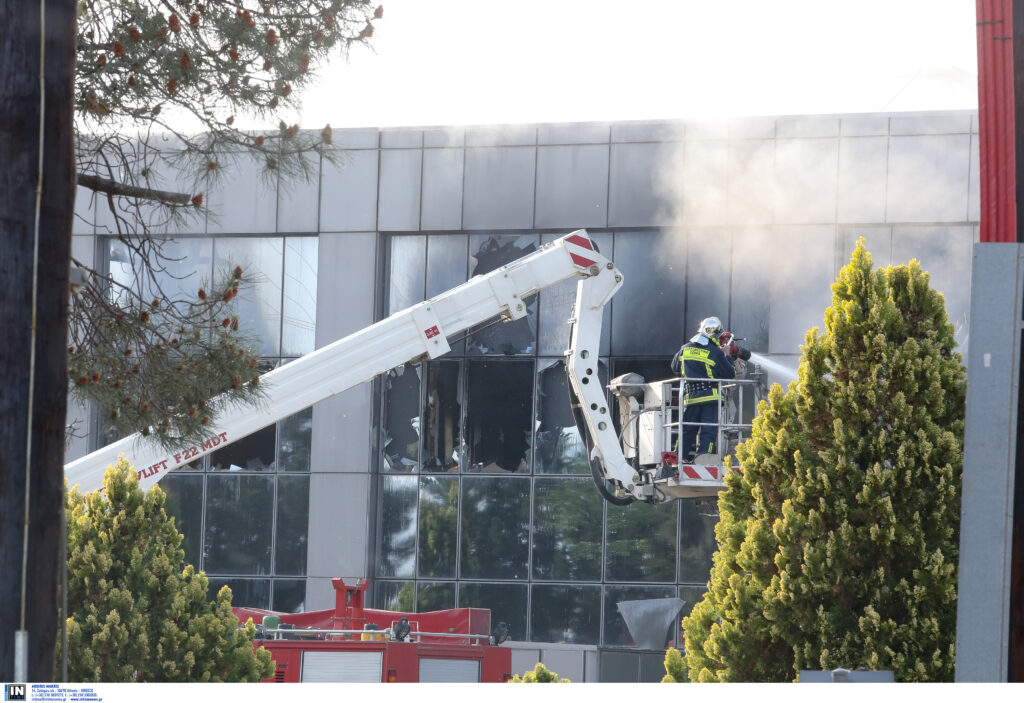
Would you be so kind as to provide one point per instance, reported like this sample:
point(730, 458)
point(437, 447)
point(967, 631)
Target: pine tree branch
point(112, 187)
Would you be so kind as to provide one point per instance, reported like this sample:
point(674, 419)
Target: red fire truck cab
point(353, 644)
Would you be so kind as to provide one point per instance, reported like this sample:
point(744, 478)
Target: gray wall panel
point(983, 603)
point(806, 176)
point(245, 199)
point(864, 126)
point(572, 186)
point(441, 208)
point(708, 267)
point(928, 178)
point(348, 193)
point(802, 271)
point(749, 305)
point(974, 183)
point(634, 199)
point(85, 212)
point(399, 206)
point(698, 182)
point(931, 123)
point(499, 187)
point(751, 175)
point(298, 204)
point(339, 513)
point(342, 428)
point(863, 165)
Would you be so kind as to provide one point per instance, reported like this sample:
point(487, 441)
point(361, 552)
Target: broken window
point(401, 431)
point(490, 252)
point(442, 417)
point(499, 414)
point(559, 447)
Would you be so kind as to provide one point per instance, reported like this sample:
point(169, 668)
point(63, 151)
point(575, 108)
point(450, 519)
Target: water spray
point(773, 367)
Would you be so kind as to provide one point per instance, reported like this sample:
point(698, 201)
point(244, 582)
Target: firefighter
point(701, 357)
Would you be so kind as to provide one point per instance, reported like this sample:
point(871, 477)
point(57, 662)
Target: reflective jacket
point(697, 359)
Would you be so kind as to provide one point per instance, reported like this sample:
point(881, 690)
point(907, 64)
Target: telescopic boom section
point(416, 332)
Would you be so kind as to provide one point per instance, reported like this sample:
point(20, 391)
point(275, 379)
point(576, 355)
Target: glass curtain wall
point(244, 509)
point(485, 497)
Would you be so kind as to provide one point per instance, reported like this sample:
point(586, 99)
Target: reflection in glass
point(520, 336)
point(397, 530)
point(298, 323)
point(691, 596)
point(439, 595)
point(258, 305)
point(447, 257)
point(252, 453)
point(566, 614)
point(296, 439)
point(495, 527)
point(556, 305)
point(499, 415)
point(185, 505)
point(188, 266)
point(394, 596)
point(648, 311)
point(641, 542)
point(559, 447)
point(406, 279)
point(506, 601)
point(401, 418)
point(438, 525)
point(239, 515)
point(697, 540)
point(616, 634)
point(245, 593)
point(292, 525)
point(289, 595)
point(442, 412)
point(567, 516)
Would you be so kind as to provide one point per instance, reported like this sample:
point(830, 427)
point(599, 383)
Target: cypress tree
point(838, 539)
point(135, 611)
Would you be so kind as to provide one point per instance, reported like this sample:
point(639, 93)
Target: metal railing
point(737, 401)
point(387, 634)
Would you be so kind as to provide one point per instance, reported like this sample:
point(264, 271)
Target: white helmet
point(710, 327)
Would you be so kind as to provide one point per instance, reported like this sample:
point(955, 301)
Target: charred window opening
point(442, 417)
point(499, 415)
point(401, 418)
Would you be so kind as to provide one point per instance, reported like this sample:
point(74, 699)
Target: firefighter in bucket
point(702, 357)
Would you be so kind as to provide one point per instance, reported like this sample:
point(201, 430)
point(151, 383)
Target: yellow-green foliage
point(675, 667)
point(136, 612)
point(539, 674)
point(838, 542)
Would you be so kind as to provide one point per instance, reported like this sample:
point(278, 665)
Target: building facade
point(461, 481)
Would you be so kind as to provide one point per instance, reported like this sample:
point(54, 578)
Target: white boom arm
point(418, 331)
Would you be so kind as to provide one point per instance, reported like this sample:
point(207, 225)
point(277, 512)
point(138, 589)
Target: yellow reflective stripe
point(703, 399)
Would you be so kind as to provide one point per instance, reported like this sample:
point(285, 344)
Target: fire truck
point(354, 644)
point(635, 460)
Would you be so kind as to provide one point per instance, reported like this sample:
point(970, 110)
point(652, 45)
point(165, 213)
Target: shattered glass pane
point(498, 415)
point(401, 431)
point(252, 453)
point(489, 252)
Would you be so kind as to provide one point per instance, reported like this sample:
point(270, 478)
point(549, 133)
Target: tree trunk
point(31, 604)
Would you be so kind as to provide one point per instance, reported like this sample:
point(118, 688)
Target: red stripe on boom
point(580, 241)
point(580, 261)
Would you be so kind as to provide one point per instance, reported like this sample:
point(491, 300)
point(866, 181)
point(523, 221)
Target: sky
point(455, 62)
